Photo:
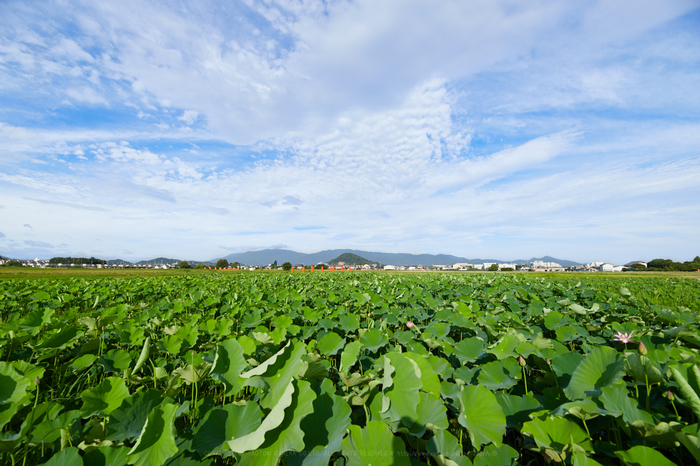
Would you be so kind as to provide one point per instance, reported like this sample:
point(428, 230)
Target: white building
point(462, 266)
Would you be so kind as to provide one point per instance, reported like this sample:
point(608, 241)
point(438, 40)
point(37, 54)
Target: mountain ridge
point(268, 256)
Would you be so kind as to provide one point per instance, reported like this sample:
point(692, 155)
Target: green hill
point(349, 259)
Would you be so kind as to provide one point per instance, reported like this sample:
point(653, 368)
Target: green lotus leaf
point(349, 322)
point(616, 400)
point(566, 333)
point(104, 398)
point(375, 445)
point(223, 424)
point(602, 367)
point(83, 362)
point(67, 457)
point(505, 348)
point(156, 443)
point(688, 380)
point(428, 376)
point(13, 386)
point(273, 376)
point(171, 343)
point(49, 431)
point(555, 433)
point(349, 356)
point(441, 367)
point(127, 421)
point(323, 429)
point(7, 411)
point(580, 459)
point(36, 319)
point(503, 455)
point(445, 444)
point(277, 335)
point(643, 456)
point(228, 364)
point(517, 408)
point(554, 320)
point(29, 371)
point(373, 340)
point(465, 374)
point(431, 415)
point(330, 344)
point(272, 421)
point(106, 456)
point(189, 458)
point(115, 360)
point(287, 436)
point(493, 376)
point(584, 409)
point(283, 321)
point(481, 415)
point(144, 355)
point(61, 339)
point(314, 370)
point(400, 390)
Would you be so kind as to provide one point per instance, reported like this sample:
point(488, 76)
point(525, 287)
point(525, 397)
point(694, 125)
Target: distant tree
point(13, 263)
point(287, 266)
point(201, 266)
point(493, 267)
point(234, 265)
point(222, 263)
point(274, 265)
point(184, 265)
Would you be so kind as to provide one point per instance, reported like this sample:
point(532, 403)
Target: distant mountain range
point(156, 261)
point(268, 256)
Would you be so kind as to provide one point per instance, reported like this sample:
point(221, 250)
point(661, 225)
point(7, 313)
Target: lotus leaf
point(104, 398)
point(602, 367)
point(127, 421)
point(222, 424)
point(323, 429)
point(156, 443)
point(228, 364)
point(643, 456)
point(286, 436)
point(481, 415)
point(374, 445)
point(274, 375)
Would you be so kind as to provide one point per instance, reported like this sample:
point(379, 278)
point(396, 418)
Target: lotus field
point(350, 368)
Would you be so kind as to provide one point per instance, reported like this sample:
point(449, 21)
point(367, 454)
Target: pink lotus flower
point(623, 337)
point(409, 324)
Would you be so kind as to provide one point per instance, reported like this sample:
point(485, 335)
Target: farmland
point(349, 368)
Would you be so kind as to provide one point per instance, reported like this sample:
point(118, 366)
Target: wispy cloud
point(67, 204)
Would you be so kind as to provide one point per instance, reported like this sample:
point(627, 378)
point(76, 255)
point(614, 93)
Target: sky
point(491, 128)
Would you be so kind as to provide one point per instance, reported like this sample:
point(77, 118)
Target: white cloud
point(86, 95)
point(189, 116)
point(402, 125)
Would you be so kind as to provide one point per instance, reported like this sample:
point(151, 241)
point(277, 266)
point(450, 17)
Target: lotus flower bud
point(521, 360)
point(409, 324)
point(642, 349)
point(669, 395)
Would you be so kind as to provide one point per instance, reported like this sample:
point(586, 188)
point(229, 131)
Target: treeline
point(668, 264)
point(76, 260)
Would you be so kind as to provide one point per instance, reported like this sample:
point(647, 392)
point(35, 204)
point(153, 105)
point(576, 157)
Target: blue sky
point(502, 129)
